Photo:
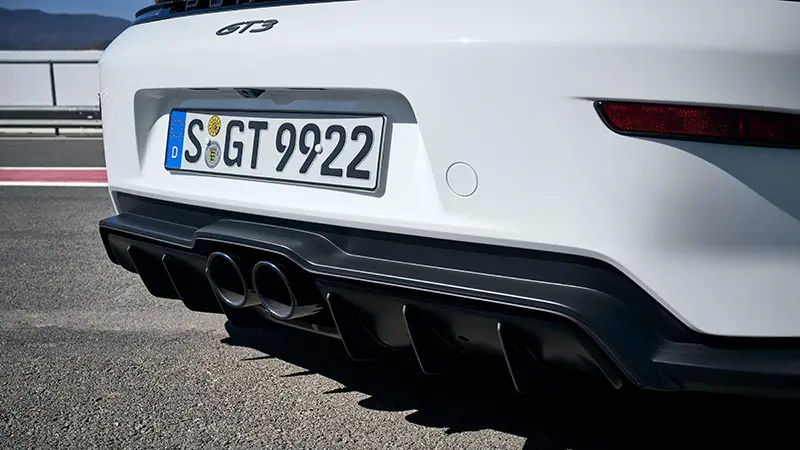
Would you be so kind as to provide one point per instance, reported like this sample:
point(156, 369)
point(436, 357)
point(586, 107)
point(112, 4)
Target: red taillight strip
point(699, 123)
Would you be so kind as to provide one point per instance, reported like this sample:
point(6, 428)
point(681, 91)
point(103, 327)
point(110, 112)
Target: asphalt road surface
point(52, 152)
point(88, 359)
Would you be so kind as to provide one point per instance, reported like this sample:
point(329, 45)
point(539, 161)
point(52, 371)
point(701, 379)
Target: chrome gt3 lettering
point(253, 26)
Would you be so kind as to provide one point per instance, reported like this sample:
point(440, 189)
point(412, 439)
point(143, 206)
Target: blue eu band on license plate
point(323, 149)
point(177, 126)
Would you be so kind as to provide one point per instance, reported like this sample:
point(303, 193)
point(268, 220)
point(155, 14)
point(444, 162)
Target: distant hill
point(30, 29)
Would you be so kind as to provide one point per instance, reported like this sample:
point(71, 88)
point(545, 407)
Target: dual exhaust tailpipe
point(280, 290)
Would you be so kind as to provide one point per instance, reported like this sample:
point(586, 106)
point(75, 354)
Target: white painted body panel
point(711, 231)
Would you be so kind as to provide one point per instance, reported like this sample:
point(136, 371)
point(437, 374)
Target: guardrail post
point(53, 87)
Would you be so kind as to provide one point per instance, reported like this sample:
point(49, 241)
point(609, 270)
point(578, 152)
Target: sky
point(116, 8)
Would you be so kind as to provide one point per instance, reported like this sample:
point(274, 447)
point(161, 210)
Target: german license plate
point(329, 150)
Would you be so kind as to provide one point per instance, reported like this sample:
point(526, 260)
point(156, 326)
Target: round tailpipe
point(281, 293)
point(228, 282)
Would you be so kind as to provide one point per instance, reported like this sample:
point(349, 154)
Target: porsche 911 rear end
point(609, 188)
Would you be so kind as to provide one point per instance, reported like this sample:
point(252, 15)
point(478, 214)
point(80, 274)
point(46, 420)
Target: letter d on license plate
point(320, 149)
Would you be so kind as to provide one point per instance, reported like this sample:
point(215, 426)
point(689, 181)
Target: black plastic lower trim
point(179, 8)
point(386, 292)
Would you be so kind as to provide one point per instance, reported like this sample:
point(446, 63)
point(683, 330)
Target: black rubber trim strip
point(49, 113)
point(177, 8)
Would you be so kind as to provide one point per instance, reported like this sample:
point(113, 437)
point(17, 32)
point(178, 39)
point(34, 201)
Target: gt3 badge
point(253, 26)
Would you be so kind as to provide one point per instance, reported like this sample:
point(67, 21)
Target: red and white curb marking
point(53, 176)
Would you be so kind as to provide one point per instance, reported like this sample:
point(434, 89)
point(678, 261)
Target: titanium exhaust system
point(273, 284)
point(227, 281)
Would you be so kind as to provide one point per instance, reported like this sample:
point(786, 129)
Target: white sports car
point(604, 187)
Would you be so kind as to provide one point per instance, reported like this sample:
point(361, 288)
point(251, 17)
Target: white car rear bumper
point(710, 231)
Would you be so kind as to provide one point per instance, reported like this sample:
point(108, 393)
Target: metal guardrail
point(53, 117)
